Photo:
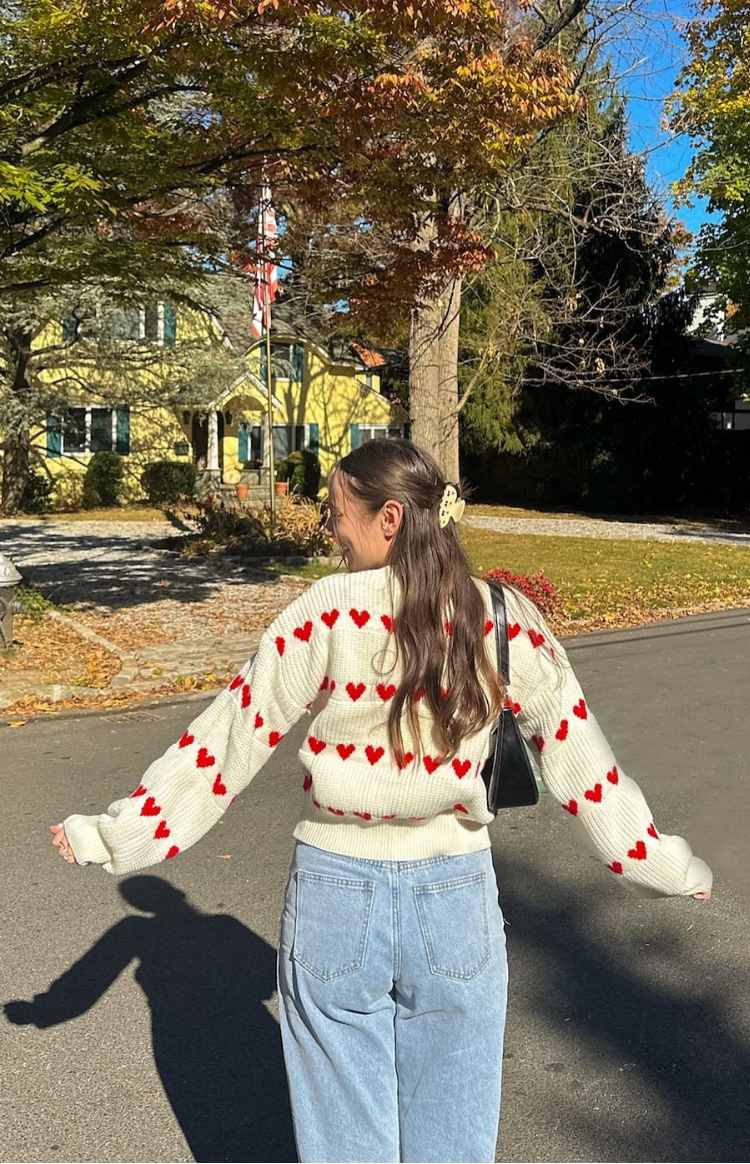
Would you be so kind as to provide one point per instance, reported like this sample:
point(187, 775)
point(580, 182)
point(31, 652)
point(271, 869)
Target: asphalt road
point(629, 1026)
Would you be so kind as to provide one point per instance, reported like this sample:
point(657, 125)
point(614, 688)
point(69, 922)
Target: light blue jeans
point(392, 991)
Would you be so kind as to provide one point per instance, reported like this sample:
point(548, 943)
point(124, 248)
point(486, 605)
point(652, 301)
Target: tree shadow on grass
point(216, 1047)
point(682, 1043)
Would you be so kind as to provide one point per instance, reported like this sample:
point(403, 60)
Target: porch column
point(212, 459)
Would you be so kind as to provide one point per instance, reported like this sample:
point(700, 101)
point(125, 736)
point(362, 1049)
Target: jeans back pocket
point(455, 926)
point(332, 924)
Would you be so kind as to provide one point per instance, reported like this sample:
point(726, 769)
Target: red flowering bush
point(539, 589)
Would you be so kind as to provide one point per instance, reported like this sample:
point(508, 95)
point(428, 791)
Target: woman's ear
point(390, 518)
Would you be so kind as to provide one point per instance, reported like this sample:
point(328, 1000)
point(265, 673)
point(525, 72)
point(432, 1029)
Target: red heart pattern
point(246, 700)
point(259, 721)
point(172, 853)
point(388, 623)
point(219, 788)
point(364, 815)
point(431, 763)
point(562, 731)
point(460, 808)
point(236, 682)
point(345, 750)
point(461, 767)
point(316, 746)
point(403, 761)
point(359, 617)
point(594, 793)
point(274, 738)
point(514, 628)
point(324, 684)
point(355, 691)
point(374, 754)
point(616, 867)
point(307, 782)
point(571, 807)
point(419, 694)
point(386, 691)
point(489, 626)
point(449, 627)
point(186, 740)
point(330, 618)
point(303, 632)
point(280, 644)
point(538, 741)
point(651, 830)
point(150, 807)
point(639, 852)
point(162, 832)
point(581, 710)
point(205, 759)
point(140, 791)
point(535, 638)
point(613, 776)
point(336, 811)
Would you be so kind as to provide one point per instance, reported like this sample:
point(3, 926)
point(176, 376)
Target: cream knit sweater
point(332, 652)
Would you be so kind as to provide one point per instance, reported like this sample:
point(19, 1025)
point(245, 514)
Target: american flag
point(266, 275)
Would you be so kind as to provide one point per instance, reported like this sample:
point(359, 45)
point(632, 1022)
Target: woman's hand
point(61, 843)
point(703, 896)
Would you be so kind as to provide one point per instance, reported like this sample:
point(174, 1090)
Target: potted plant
point(241, 487)
point(282, 478)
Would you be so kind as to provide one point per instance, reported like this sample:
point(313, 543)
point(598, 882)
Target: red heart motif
point(419, 694)
point(345, 750)
point(360, 617)
point(403, 762)
point(316, 803)
point(449, 628)
point(316, 745)
point(461, 767)
point(594, 793)
point(280, 644)
point(417, 818)
point(246, 700)
point(258, 721)
point(324, 684)
point(219, 788)
point(274, 739)
point(205, 759)
point(445, 692)
point(431, 764)
point(460, 808)
point(651, 830)
point(514, 628)
point(539, 742)
point(303, 632)
point(186, 740)
point(489, 626)
point(374, 754)
point(333, 686)
point(389, 816)
point(535, 638)
point(571, 807)
point(336, 811)
point(355, 691)
point(388, 623)
point(307, 782)
point(172, 853)
point(616, 867)
point(364, 815)
point(150, 807)
point(140, 791)
point(613, 776)
point(581, 710)
point(562, 731)
point(161, 831)
point(639, 852)
point(236, 682)
point(329, 617)
point(386, 691)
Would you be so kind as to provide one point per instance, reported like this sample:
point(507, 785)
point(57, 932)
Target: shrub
point(299, 526)
point(166, 482)
point(302, 471)
point(36, 492)
point(102, 480)
point(539, 588)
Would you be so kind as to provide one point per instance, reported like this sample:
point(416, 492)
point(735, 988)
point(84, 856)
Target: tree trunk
point(448, 380)
point(17, 428)
point(424, 368)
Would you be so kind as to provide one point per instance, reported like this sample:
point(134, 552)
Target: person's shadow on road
point(216, 1047)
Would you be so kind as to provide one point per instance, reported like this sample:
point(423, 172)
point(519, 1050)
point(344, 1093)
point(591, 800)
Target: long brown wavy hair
point(440, 622)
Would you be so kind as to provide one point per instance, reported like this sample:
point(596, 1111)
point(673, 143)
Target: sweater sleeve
point(184, 793)
point(579, 769)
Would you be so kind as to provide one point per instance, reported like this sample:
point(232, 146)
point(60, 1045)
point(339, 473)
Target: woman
point(392, 971)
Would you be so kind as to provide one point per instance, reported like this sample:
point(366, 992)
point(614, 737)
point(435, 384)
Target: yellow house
point(324, 402)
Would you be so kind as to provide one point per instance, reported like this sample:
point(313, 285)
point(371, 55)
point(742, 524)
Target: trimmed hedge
point(302, 470)
point(102, 480)
point(165, 482)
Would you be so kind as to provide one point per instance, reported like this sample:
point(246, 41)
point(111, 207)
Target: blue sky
point(648, 54)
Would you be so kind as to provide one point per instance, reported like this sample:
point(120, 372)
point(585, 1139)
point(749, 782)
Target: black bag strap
point(501, 630)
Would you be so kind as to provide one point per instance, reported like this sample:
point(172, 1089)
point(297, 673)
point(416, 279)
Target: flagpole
point(267, 316)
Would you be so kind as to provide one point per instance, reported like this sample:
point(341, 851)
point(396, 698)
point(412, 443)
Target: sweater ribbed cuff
point(85, 840)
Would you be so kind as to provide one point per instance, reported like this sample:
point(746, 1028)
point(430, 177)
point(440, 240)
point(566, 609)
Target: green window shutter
point(242, 443)
point(70, 328)
point(170, 325)
point(299, 362)
point(354, 436)
point(314, 441)
point(54, 435)
point(122, 441)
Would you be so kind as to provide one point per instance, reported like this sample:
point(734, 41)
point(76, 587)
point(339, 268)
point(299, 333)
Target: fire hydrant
point(9, 579)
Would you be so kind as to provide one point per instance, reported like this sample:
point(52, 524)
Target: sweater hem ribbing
point(445, 836)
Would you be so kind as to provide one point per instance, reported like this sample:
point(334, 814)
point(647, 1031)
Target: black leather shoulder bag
point(508, 772)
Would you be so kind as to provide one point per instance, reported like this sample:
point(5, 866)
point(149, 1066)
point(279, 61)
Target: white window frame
point(142, 325)
point(86, 451)
point(384, 431)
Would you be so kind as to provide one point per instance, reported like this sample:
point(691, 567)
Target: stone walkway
point(597, 528)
